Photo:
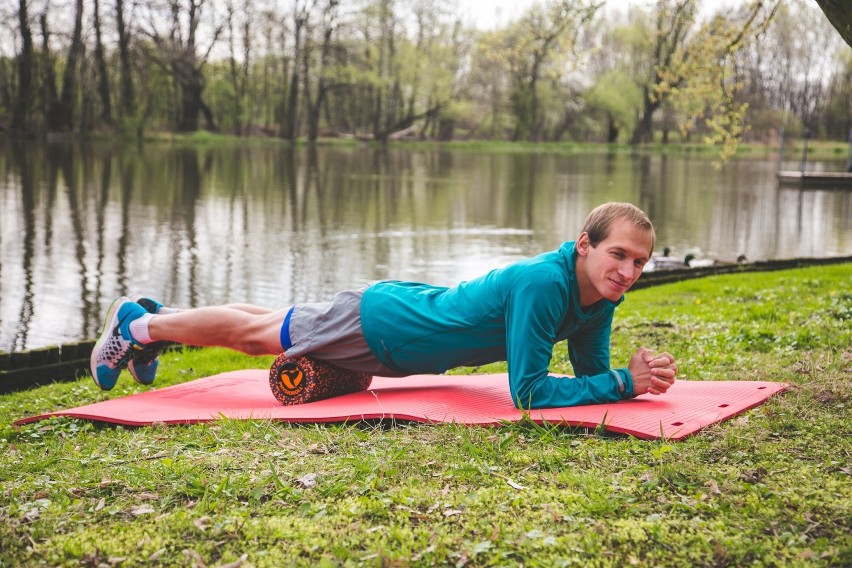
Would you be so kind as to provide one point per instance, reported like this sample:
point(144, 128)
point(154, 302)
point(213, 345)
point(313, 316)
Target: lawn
point(770, 487)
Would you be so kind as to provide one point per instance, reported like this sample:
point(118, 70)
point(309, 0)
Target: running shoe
point(151, 306)
point(143, 367)
point(115, 348)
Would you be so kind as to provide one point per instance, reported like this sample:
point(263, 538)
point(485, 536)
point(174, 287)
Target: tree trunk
point(315, 104)
point(207, 113)
point(101, 67)
point(69, 78)
point(50, 98)
point(645, 129)
point(534, 122)
point(127, 102)
point(312, 109)
point(190, 103)
point(290, 131)
point(612, 129)
point(21, 112)
point(239, 72)
point(839, 13)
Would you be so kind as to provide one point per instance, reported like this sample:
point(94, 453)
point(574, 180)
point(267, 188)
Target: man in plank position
point(391, 328)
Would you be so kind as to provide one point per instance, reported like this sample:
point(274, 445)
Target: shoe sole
point(110, 322)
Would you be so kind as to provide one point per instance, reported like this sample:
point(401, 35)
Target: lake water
point(82, 224)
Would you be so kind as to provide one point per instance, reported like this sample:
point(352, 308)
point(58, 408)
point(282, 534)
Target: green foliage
point(618, 95)
point(381, 67)
point(770, 487)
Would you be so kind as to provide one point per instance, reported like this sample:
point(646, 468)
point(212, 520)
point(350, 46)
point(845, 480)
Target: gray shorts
point(331, 331)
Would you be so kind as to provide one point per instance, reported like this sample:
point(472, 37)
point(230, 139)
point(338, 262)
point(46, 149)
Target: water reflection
point(82, 224)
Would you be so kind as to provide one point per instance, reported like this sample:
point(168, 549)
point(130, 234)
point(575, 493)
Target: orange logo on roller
point(291, 379)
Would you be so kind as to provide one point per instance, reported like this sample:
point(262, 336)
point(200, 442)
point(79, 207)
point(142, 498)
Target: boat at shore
point(805, 178)
point(838, 180)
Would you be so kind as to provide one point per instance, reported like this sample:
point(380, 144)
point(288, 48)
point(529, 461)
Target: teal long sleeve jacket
point(515, 314)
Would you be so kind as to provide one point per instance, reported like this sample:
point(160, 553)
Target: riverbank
point(769, 487)
point(793, 148)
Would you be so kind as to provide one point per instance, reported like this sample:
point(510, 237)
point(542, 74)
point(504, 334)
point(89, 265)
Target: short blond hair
point(600, 220)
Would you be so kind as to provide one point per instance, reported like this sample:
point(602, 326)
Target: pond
point(262, 223)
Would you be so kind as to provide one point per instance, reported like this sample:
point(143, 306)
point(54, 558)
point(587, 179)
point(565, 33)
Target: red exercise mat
point(687, 407)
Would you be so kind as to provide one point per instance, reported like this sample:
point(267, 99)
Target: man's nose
point(625, 269)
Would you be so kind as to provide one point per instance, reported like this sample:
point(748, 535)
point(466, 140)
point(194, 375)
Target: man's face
point(611, 268)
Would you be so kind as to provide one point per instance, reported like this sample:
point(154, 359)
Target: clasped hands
point(652, 372)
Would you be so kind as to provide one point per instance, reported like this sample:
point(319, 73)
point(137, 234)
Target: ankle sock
point(139, 329)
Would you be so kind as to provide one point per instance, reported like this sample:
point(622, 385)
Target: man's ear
point(583, 244)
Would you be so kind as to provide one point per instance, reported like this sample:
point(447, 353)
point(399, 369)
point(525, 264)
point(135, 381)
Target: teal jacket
point(514, 314)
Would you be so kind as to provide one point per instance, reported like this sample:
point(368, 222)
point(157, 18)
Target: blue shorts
point(331, 331)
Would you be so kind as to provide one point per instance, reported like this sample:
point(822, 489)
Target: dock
point(816, 179)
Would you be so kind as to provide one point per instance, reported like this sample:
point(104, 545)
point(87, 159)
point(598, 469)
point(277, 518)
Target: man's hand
point(652, 373)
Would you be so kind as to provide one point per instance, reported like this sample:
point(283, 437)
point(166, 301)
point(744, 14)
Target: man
point(515, 314)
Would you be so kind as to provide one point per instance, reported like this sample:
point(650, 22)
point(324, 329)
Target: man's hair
point(600, 220)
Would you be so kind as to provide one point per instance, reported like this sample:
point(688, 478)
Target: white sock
point(139, 329)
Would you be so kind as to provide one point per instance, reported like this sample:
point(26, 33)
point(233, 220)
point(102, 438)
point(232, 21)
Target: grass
point(817, 149)
point(771, 487)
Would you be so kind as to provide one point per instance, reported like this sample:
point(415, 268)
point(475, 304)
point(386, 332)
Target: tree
point(615, 94)
point(538, 34)
point(488, 86)
point(669, 49)
point(837, 115)
point(177, 50)
point(788, 70)
point(26, 60)
point(615, 56)
point(127, 106)
point(692, 66)
point(386, 95)
point(316, 61)
point(238, 25)
point(301, 13)
point(101, 66)
point(431, 71)
point(59, 104)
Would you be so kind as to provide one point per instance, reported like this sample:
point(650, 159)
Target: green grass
point(817, 149)
point(771, 487)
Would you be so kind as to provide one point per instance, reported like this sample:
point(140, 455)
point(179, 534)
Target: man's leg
point(249, 308)
point(133, 334)
point(250, 329)
point(143, 366)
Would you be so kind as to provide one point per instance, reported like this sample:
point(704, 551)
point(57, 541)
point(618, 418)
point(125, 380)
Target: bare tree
point(238, 24)
point(128, 96)
point(72, 71)
point(59, 104)
point(26, 60)
point(101, 67)
point(177, 50)
point(316, 59)
point(301, 17)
